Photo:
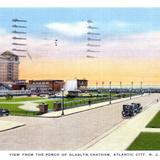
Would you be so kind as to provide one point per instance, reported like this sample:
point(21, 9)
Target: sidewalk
point(6, 125)
point(121, 136)
point(54, 114)
point(151, 130)
point(30, 106)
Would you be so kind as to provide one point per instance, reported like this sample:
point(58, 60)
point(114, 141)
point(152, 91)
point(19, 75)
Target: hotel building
point(9, 67)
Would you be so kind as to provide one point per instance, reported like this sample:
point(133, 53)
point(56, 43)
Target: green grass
point(20, 99)
point(146, 141)
point(155, 122)
point(69, 102)
point(75, 102)
point(14, 110)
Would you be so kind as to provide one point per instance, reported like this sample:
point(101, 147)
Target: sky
point(57, 42)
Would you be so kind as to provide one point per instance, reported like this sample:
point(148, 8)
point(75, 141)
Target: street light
point(121, 89)
point(149, 91)
point(102, 86)
point(110, 98)
point(96, 85)
point(62, 101)
point(131, 89)
point(141, 88)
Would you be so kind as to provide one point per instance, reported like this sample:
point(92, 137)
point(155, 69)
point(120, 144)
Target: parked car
point(4, 112)
point(137, 107)
point(131, 110)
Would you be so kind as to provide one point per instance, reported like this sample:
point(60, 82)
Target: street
point(68, 132)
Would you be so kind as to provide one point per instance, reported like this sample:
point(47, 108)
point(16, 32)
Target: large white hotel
point(9, 67)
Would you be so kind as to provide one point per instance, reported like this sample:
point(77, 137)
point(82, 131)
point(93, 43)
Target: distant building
point(44, 86)
point(4, 86)
point(74, 93)
point(16, 85)
point(19, 85)
point(76, 84)
point(82, 83)
point(9, 67)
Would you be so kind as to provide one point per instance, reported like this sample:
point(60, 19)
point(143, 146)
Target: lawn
point(146, 141)
point(75, 102)
point(155, 122)
point(20, 99)
point(14, 110)
point(68, 103)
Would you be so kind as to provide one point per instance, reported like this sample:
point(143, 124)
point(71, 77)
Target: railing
point(94, 100)
point(14, 92)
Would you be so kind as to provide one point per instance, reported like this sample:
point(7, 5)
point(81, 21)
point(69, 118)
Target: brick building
point(9, 67)
point(43, 86)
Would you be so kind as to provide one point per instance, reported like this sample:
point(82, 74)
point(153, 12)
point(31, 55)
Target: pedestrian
point(89, 102)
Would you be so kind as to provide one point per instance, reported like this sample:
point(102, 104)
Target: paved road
point(65, 133)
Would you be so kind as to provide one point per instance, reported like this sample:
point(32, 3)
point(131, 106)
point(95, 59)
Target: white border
point(80, 3)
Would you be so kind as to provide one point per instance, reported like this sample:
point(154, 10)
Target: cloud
point(130, 54)
point(69, 29)
point(124, 28)
point(119, 24)
point(144, 45)
point(5, 40)
point(3, 32)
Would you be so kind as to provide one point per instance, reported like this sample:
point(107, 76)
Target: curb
point(12, 128)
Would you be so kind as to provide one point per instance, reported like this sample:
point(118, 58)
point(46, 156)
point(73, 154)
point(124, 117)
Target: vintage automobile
point(137, 107)
point(4, 112)
point(131, 110)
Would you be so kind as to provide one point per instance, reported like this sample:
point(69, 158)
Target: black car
point(131, 110)
point(4, 112)
point(137, 107)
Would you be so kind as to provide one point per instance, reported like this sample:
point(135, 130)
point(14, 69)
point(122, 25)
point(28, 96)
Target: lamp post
point(141, 88)
point(102, 86)
point(96, 85)
point(131, 89)
point(62, 101)
point(121, 89)
point(110, 98)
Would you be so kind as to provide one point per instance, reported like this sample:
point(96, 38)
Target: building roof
point(8, 54)
point(46, 80)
